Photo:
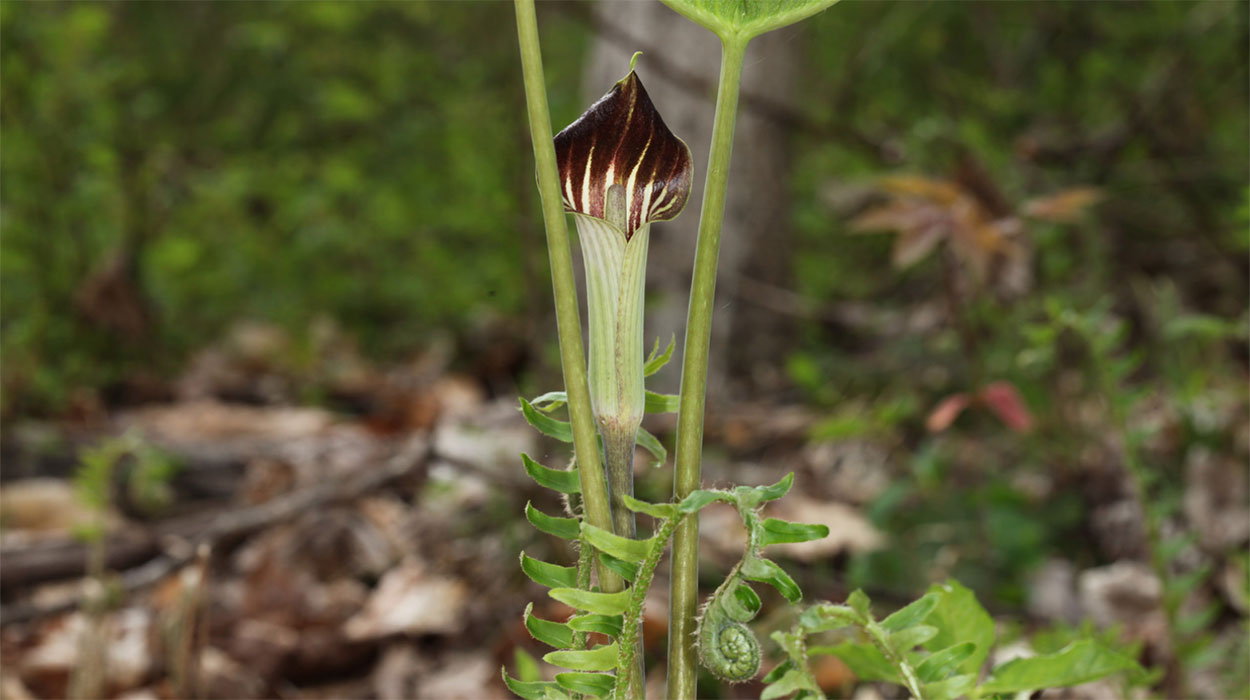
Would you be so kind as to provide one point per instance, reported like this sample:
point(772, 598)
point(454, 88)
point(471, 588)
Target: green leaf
point(623, 548)
point(958, 617)
point(550, 401)
point(558, 429)
point(1173, 546)
point(743, 605)
point(601, 658)
point(743, 19)
point(792, 681)
point(1079, 662)
point(767, 571)
point(553, 634)
point(661, 511)
point(777, 531)
point(656, 362)
point(1197, 620)
point(859, 602)
point(603, 624)
point(912, 613)
point(549, 575)
point(826, 616)
point(939, 664)
point(651, 444)
point(949, 689)
point(596, 684)
point(533, 690)
point(864, 660)
point(791, 644)
point(777, 490)
point(697, 500)
point(661, 403)
point(554, 479)
point(778, 671)
point(564, 528)
point(1180, 586)
point(592, 601)
point(624, 569)
point(526, 665)
point(905, 640)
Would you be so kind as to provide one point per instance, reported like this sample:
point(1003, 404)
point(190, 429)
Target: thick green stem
point(684, 594)
point(568, 320)
point(618, 448)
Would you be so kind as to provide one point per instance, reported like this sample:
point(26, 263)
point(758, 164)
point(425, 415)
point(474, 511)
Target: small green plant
point(1102, 336)
point(147, 485)
point(934, 647)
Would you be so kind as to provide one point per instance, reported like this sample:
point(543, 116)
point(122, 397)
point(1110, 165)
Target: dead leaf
point(849, 529)
point(220, 676)
point(490, 439)
point(128, 653)
point(914, 244)
point(1063, 207)
point(1215, 500)
point(932, 189)
point(856, 470)
point(209, 420)
point(409, 600)
point(467, 676)
point(11, 688)
point(1126, 593)
point(45, 508)
point(396, 675)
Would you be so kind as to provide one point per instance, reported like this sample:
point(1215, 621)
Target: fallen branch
point(187, 534)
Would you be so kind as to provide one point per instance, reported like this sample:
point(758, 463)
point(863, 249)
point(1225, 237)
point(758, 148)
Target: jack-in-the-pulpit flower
point(620, 169)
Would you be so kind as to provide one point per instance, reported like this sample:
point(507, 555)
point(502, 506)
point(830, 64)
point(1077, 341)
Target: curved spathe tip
point(619, 162)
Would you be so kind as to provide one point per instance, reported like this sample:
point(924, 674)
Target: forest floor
point(371, 552)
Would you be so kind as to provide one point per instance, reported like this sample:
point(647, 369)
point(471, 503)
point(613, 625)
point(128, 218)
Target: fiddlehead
point(727, 647)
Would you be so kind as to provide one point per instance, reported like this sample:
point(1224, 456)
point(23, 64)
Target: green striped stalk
point(615, 276)
point(620, 169)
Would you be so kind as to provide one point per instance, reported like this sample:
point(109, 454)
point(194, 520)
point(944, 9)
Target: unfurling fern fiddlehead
point(727, 647)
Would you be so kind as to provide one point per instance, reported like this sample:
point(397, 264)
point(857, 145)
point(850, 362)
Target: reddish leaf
point(947, 410)
point(1004, 401)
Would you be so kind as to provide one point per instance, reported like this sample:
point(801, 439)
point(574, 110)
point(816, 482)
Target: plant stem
point(568, 318)
point(618, 452)
point(881, 638)
point(630, 642)
point(1139, 477)
point(684, 594)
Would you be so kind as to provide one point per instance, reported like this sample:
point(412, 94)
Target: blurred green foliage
point(1146, 102)
point(364, 161)
point(273, 161)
